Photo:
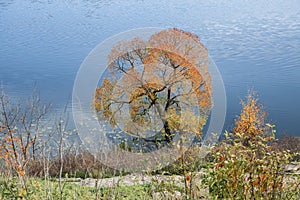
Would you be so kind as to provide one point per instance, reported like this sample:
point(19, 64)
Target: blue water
point(255, 44)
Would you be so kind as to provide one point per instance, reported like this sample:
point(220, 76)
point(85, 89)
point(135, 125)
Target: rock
point(292, 167)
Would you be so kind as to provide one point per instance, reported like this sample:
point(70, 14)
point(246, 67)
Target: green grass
point(40, 189)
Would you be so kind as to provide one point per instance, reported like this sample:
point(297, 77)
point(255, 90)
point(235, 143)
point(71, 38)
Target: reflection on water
point(255, 45)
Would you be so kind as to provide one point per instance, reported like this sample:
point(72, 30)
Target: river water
point(255, 44)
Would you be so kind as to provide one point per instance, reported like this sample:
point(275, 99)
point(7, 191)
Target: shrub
point(247, 164)
point(249, 172)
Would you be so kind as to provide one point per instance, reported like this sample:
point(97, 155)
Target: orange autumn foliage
point(165, 75)
point(251, 121)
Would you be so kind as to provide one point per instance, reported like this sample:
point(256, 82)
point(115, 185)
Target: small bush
point(247, 164)
point(256, 171)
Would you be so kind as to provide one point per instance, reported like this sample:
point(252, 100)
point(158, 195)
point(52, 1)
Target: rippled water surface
point(255, 44)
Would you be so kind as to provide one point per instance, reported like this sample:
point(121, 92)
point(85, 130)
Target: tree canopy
point(156, 88)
